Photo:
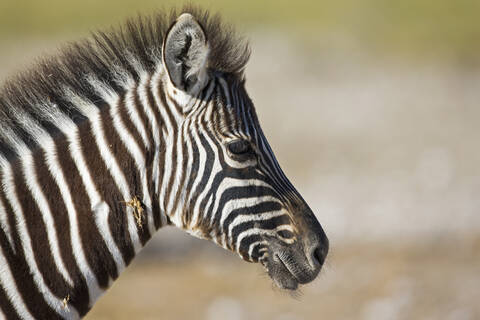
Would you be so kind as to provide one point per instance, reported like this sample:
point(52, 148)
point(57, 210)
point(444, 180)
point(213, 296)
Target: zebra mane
point(111, 56)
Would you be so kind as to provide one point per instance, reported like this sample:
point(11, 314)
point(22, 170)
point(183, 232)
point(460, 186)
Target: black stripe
point(151, 103)
point(79, 296)
point(269, 224)
point(188, 211)
point(127, 120)
point(106, 186)
point(183, 175)
point(6, 306)
point(245, 245)
point(239, 193)
point(96, 252)
point(32, 298)
point(173, 173)
point(39, 237)
point(128, 166)
point(143, 118)
point(256, 209)
point(207, 171)
point(256, 252)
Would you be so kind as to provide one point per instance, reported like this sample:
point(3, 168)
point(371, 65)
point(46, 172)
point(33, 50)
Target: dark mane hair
point(106, 55)
point(109, 57)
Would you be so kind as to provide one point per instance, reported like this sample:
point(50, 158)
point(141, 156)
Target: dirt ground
point(434, 280)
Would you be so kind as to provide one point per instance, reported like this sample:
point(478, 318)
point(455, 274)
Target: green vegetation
point(416, 27)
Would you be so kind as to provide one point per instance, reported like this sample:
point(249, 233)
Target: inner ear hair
point(185, 54)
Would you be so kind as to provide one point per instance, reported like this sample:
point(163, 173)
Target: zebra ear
point(185, 54)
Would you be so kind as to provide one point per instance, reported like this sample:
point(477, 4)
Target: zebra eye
point(240, 147)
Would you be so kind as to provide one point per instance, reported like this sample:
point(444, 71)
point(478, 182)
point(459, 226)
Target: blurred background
point(372, 108)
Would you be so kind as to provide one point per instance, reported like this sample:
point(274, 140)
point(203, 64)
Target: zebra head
point(232, 188)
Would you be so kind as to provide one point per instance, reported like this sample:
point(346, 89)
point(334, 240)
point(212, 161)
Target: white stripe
point(137, 154)
point(200, 173)
point(254, 244)
point(55, 303)
point(232, 204)
point(47, 143)
point(167, 165)
point(182, 99)
point(242, 218)
point(189, 168)
point(94, 289)
point(31, 180)
point(217, 167)
point(99, 208)
point(246, 203)
point(36, 190)
point(241, 105)
point(93, 113)
point(142, 93)
point(135, 117)
point(5, 225)
point(196, 113)
point(271, 233)
point(176, 182)
point(10, 288)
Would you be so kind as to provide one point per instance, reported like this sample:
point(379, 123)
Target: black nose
point(318, 251)
point(318, 255)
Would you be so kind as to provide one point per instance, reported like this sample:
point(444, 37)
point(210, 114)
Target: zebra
point(125, 132)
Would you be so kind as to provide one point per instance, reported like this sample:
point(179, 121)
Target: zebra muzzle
point(295, 264)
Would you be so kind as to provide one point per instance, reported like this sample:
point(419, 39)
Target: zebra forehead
point(229, 109)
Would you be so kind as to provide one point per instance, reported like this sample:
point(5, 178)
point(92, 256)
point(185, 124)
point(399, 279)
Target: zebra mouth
point(284, 277)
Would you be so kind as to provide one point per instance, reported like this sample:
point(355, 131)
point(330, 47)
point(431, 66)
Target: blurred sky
point(434, 29)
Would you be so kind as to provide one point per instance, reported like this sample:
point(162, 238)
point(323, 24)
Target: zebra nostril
point(319, 256)
point(318, 245)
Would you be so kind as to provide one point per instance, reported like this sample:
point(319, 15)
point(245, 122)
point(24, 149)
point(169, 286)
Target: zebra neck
point(96, 186)
point(89, 194)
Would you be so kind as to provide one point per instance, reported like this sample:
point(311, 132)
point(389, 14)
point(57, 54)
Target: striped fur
point(99, 149)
